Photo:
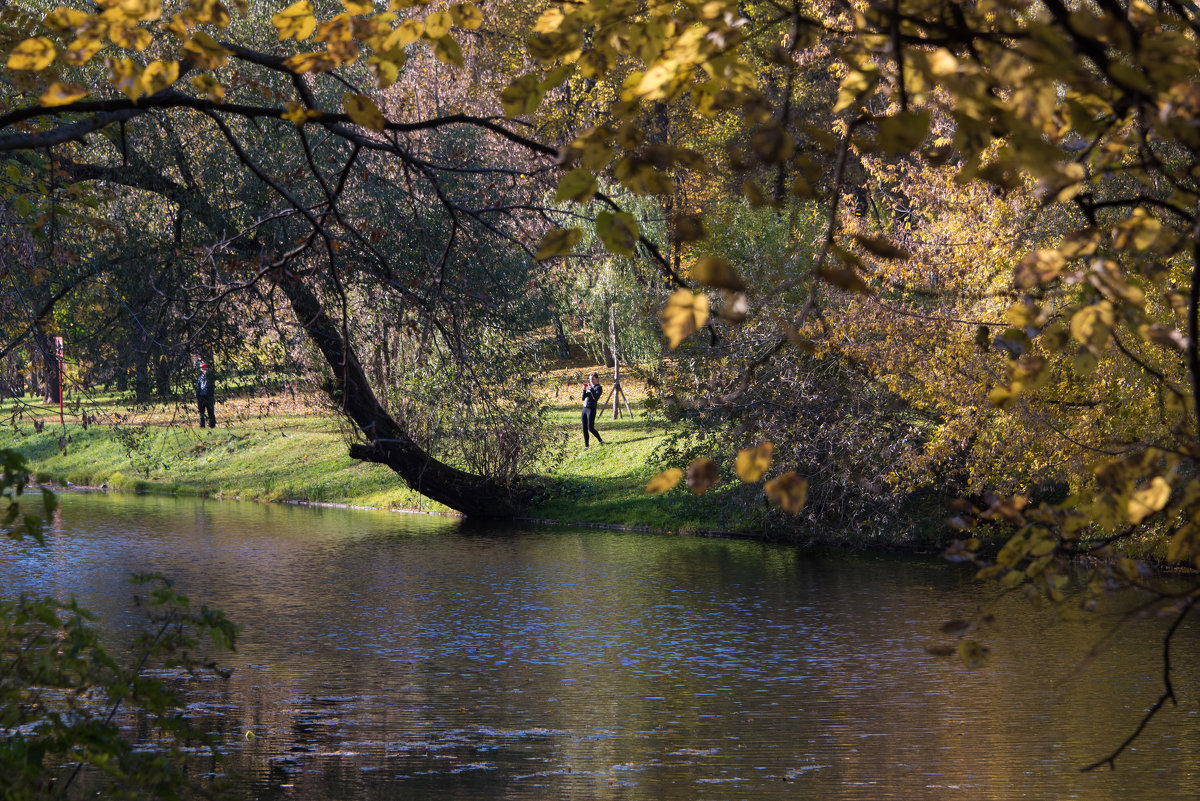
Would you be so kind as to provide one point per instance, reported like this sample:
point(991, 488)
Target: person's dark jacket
point(591, 396)
point(205, 386)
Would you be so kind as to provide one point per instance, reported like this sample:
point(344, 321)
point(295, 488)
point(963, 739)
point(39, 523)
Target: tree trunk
point(51, 388)
point(560, 339)
point(388, 443)
point(162, 377)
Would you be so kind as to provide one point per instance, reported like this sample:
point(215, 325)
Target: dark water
point(390, 656)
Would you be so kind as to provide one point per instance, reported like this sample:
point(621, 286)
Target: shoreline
point(912, 549)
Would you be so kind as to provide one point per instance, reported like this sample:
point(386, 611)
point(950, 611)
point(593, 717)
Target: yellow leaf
point(683, 315)
point(1149, 499)
point(387, 70)
point(593, 64)
point(125, 76)
point(1092, 325)
point(619, 232)
point(555, 77)
point(132, 38)
point(1005, 397)
point(158, 75)
point(59, 94)
point(522, 96)
point(64, 19)
point(467, 16)
point(318, 61)
point(972, 653)
point(856, 84)
point(404, 34)
point(656, 83)
point(438, 24)
point(204, 51)
point(209, 86)
point(359, 6)
point(202, 11)
point(32, 54)
point(298, 114)
point(448, 51)
point(664, 481)
point(81, 50)
point(753, 462)
point(363, 111)
point(549, 21)
point(296, 21)
point(558, 242)
point(578, 186)
point(789, 491)
point(942, 63)
point(716, 272)
point(1039, 267)
point(702, 474)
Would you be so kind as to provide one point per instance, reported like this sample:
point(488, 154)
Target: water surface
point(390, 656)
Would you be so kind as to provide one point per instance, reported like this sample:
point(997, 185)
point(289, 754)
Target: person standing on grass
point(591, 399)
point(206, 395)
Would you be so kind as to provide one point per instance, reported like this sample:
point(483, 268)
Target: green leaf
point(577, 186)
point(363, 111)
point(618, 231)
point(558, 242)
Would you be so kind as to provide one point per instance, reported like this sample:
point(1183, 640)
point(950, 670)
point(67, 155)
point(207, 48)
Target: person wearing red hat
point(206, 395)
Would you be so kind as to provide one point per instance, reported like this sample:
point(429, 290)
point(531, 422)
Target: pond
point(395, 656)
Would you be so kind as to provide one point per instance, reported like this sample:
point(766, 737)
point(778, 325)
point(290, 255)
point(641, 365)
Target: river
point(395, 656)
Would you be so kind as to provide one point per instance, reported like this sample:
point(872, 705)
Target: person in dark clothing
point(206, 396)
point(591, 399)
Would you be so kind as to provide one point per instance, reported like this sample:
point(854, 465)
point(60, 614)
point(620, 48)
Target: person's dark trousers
point(589, 424)
point(207, 404)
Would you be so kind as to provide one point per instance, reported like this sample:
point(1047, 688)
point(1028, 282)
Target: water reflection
point(395, 656)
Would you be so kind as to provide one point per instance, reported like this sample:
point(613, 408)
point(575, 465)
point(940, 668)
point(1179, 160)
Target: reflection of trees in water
point(379, 646)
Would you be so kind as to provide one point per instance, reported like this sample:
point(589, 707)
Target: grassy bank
point(280, 448)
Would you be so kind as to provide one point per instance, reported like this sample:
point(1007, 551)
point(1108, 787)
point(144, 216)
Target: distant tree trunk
point(560, 338)
point(162, 376)
point(388, 443)
point(49, 362)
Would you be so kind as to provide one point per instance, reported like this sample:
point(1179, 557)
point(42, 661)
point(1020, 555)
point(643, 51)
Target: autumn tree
point(295, 190)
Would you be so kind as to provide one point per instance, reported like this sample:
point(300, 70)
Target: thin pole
point(612, 332)
point(58, 346)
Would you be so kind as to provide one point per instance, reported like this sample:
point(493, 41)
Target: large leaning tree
point(253, 174)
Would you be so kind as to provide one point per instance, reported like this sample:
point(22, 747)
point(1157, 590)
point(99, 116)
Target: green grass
point(275, 457)
point(605, 484)
point(264, 451)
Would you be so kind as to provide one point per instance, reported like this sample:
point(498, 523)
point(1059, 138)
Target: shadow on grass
point(622, 500)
